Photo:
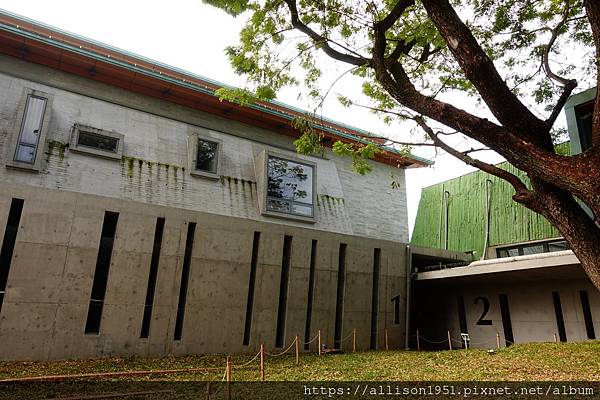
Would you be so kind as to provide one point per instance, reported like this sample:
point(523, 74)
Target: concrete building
point(522, 283)
point(139, 215)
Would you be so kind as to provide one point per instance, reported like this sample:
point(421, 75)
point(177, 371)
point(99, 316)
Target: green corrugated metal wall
point(510, 222)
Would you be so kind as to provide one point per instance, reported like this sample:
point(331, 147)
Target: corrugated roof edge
point(209, 81)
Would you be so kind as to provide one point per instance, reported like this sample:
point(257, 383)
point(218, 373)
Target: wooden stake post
point(418, 341)
point(449, 341)
point(297, 350)
point(262, 362)
point(319, 335)
point(228, 377)
point(497, 340)
point(386, 340)
point(354, 340)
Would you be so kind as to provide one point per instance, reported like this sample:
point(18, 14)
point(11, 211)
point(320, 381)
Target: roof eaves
point(263, 106)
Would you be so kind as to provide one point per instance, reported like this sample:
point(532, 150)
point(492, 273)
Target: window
point(30, 131)
point(532, 248)
point(290, 187)
point(98, 142)
point(205, 156)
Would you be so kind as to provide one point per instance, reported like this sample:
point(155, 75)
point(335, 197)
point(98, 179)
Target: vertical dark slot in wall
point(560, 322)
point(158, 234)
point(107, 238)
point(251, 285)
point(311, 291)
point(462, 317)
point(587, 314)
point(283, 290)
point(339, 299)
point(8, 243)
point(375, 297)
point(506, 321)
point(185, 277)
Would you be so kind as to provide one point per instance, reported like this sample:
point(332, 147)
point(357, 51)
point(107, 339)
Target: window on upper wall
point(30, 130)
point(97, 142)
point(532, 248)
point(205, 156)
point(290, 187)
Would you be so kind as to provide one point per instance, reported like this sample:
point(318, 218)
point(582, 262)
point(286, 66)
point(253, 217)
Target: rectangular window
point(533, 248)
point(207, 156)
point(97, 142)
point(185, 277)
point(251, 285)
point(158, 234)
point(289, 187)
point(8, 243)
point(31, 129)
point(283, 290)
point(109, 228)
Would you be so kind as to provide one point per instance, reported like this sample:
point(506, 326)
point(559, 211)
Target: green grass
point(539, 361)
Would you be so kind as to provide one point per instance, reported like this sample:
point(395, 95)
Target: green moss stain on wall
point(510, 222)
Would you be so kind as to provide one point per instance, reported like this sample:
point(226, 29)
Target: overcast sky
point(190, 35)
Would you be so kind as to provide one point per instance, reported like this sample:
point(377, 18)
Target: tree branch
point(322, 41)
point(480, 70)
point(394, 15)
point(521, 190)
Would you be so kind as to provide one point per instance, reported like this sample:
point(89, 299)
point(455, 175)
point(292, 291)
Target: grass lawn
point(539, 361)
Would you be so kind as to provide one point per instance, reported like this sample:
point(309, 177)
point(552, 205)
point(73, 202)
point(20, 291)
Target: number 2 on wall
point(486, 308)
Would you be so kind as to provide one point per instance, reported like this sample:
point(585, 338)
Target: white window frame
point(193, 140)
point(264, 163)
point(35, 166)
point(78, 148)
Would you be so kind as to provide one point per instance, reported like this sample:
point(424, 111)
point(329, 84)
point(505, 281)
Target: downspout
point(408, 257)
point(488, 200)
point(446, 200)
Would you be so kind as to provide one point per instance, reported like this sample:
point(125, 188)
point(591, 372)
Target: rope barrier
point(312, 340)
point(249, 362)
point(283, 352)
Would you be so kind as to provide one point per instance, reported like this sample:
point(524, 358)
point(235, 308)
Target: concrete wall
point(49, 285)
point(156, 132)
point(531, 310)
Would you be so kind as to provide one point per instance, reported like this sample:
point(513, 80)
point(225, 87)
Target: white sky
point(192, 36)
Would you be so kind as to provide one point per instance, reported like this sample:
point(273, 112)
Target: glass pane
point(289, 180)
point(32, 121)
point(557, 246)
point(502, 253)
point(206, 159)
point(533, 249)
point(278, 205)
point(100, 142)
point(25, 154)
point(301, 209)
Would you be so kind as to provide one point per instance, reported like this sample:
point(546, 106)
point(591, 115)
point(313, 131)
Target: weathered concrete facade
point(542, 296)
point(240, 279)
point(154, 168)
point(48, 292)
